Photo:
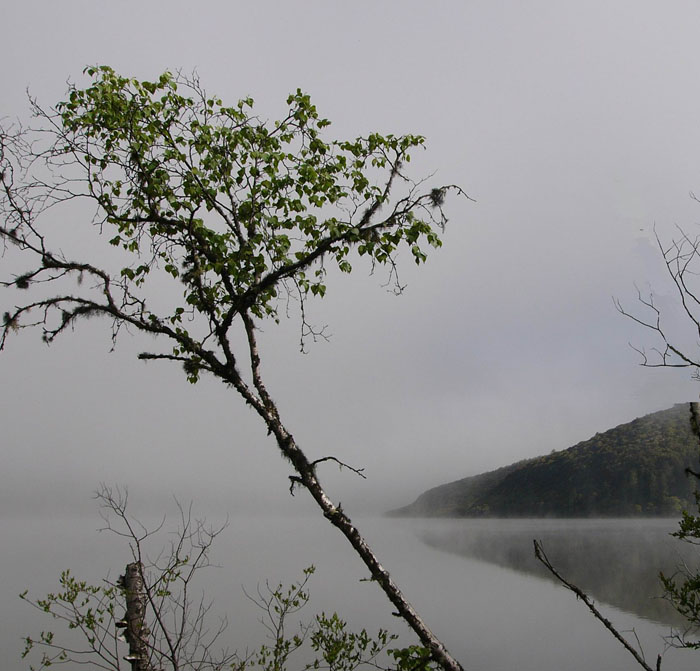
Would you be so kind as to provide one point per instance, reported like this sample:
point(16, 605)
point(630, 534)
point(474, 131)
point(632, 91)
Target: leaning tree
point(242, 217)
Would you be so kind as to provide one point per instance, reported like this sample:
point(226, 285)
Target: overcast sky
point(574, 126)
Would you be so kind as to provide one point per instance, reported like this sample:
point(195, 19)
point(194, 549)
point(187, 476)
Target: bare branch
point(542, 557)
point(357, 471)
point(681, 258)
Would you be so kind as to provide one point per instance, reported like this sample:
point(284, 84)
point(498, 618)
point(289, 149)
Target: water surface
point(473, 581)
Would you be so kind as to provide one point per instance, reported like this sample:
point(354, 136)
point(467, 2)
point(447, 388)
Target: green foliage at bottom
point(682, 589)
point(325, 643)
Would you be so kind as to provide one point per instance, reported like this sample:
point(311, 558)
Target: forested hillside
point(634, 469)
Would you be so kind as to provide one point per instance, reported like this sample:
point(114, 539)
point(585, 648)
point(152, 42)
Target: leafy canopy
point(243, 212)
point(241, 216)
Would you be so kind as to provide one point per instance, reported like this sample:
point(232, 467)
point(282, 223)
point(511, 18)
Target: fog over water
point(574, 126)
point(490, 616)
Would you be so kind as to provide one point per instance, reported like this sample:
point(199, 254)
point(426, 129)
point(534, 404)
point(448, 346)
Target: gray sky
point(575, 128)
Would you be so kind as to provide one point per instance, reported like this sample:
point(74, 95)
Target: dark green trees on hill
point(634, 469)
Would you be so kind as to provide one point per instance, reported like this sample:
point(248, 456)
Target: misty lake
point(475, 582)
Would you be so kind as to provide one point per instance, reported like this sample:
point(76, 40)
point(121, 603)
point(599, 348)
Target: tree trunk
point(134, 623)
point(336, 516)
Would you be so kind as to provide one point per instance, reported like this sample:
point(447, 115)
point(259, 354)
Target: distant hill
point(636, 468)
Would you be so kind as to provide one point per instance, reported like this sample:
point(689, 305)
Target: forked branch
point(231, 213)
point(682, 260)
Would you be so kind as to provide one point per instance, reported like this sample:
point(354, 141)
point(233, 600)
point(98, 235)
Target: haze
point(574, 126)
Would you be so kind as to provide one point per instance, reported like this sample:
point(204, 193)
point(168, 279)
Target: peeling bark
point(134, 623)
point(337, 517)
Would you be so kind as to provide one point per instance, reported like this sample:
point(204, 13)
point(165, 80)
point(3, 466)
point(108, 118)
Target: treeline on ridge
point(634, 469)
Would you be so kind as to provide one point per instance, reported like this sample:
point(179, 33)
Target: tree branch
point(158, 166)
point(542, 557)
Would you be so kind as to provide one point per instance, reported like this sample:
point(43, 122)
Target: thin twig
point(342, 464)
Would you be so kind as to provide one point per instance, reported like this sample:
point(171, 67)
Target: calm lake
point(475, 582)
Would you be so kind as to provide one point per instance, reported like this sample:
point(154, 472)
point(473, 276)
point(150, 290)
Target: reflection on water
point(615, 561)
point(491, 618)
